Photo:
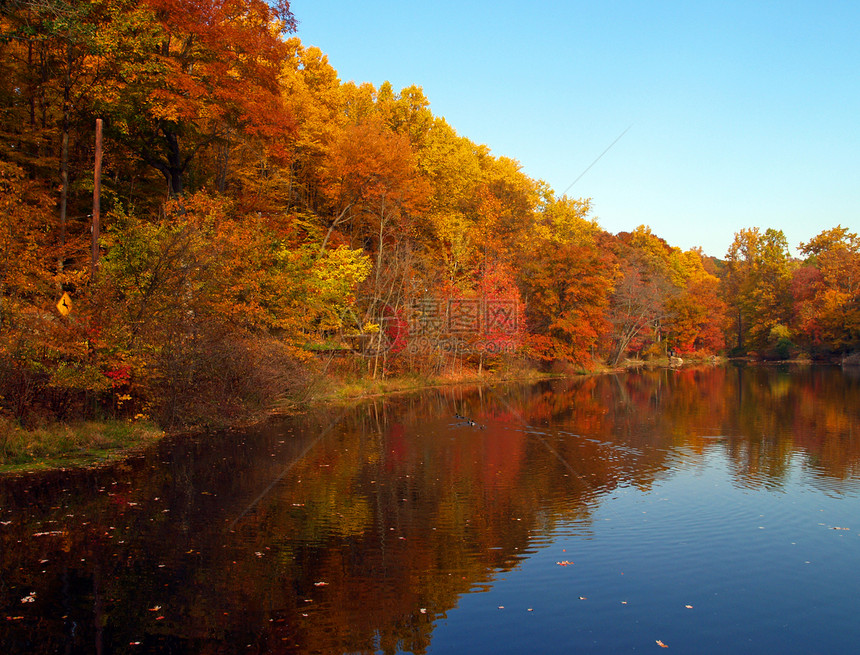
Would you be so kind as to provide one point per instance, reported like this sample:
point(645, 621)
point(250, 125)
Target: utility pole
point(97, 192)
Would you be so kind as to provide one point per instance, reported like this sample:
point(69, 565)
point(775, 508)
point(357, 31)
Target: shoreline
point(95, 444)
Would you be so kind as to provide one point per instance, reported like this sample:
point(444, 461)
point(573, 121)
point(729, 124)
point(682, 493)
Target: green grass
point(71, 445)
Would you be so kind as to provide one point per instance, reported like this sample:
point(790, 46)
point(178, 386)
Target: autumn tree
point(480, 212)
point(373, 192)
point(567, 275)
point(666, 300)
point(373, 184)
point(45, 94)
point(826, 291)
point(45, 362)
point(639, 307)
point(314, 96)
point(407, 112)
point(185, 75)
point(696, 315)
point(449, 231)
point(649, 277)
point(757, 288)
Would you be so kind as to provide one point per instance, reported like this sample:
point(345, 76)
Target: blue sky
point(743, 114)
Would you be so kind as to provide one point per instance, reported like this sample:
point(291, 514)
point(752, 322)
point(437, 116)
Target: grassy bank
point(357, 387)
point(78, 444)
point(70, 445)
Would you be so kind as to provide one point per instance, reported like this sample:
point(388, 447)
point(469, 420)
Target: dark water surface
point(713, 510)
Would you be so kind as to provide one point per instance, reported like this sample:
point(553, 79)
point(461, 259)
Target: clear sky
point(743, 113)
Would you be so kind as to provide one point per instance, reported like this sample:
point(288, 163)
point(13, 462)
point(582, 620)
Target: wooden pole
point(97, 192)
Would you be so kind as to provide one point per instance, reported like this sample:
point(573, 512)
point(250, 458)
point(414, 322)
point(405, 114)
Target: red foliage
point(119, 376)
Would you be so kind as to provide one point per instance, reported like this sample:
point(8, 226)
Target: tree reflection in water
point(359, 530)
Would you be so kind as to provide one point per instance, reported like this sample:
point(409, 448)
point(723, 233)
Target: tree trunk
point(97, 190)
point(64, 155)
point(740, 331)
point(174, 169)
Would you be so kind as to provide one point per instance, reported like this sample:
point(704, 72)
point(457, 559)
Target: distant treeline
point(260, 219)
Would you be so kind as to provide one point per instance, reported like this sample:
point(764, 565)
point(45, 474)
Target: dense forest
point(254, 223)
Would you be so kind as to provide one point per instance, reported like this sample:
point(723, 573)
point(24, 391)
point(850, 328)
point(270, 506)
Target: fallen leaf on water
point(29, 599)
point(320, 584)
point(661, 644)
point(155, 609)
point(565, 563)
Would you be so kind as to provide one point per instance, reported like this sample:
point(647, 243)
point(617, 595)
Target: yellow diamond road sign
point(65, 305)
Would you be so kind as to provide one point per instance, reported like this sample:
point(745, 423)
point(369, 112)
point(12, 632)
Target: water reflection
point(360, 530)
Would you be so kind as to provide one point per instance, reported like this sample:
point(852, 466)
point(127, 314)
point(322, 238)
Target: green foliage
point(334, 278)
point(70, 444)
point(780, 345)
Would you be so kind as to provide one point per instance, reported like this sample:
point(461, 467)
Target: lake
point(705, 510)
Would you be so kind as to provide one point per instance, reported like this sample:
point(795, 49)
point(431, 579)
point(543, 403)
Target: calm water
point(714, 510)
